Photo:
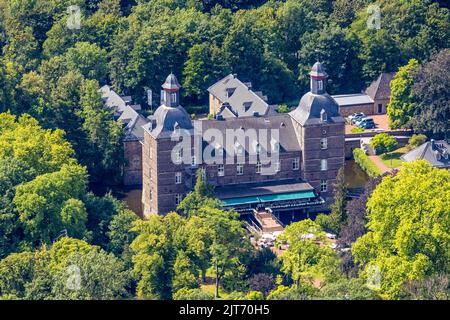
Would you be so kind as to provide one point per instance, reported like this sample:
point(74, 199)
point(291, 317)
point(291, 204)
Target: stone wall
point(312, 154)
point(132, 174)
point(367, 109)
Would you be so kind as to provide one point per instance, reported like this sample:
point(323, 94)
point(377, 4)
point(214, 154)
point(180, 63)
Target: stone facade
point(367, 109)
point(132, 174)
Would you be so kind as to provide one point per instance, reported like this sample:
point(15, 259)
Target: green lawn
point(392, 159)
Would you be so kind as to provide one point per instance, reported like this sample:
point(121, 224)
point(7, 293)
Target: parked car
point(366, 123)
point(358, 115)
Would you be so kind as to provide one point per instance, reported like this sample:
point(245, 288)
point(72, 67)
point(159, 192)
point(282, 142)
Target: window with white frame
point(240, 169)
point(221, 170)
point(323, 143)
point(239, 149)
point(173, 97)
point(295, 163)
point(179, 156)
point(178, 198)
point(178, 178)
point(320, 85)
point(323, 186)
point(258, 167)
point(151, 195)
point(323, 164)
point(193, 161)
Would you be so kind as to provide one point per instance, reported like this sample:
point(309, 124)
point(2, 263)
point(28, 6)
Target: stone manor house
point(303, 157)
point(309, 152)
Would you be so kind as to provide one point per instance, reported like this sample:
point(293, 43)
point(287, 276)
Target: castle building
point(282, 162)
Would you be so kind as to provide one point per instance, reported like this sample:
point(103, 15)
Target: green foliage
point(44, 212)
point(283, 108)
point(365, 163)
point(401, 105)
point(347, 289)
point(357, 130)
point(382, 143)
point(432, 96)
point(309, 255)
point(417, 140)
point(408, 231)
point(192, 294)
point(120, 235)
point(45, 274)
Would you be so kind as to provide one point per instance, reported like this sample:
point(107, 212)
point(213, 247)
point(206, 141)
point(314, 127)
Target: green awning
point(269, 198)
point(287, 196)
point(239, 201)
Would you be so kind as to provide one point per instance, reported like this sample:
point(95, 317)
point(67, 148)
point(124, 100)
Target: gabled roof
point(132, 120)
point(437, 153)
point(380, 88)
point(239, 95)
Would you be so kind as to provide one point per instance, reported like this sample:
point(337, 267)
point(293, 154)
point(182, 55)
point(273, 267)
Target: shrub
point(282, 108)
point(210, 116)
point(357, 130)
point(383, 143)
point(192, 294)
point(365, 163)
point(417, 140)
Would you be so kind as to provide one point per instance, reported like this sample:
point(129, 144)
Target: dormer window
point(247, 106)
point(323, 116)
point(230, 92)
point(173, 97)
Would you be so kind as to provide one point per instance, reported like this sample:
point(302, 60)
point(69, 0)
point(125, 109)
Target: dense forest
point(56, 138)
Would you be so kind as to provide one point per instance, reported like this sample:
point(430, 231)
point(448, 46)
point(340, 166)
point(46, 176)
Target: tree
point(202, 196)
point(309, 255)
point(382, 143)
point(401, 105)
point(70, 269)
point(432, 97)
point(88, 59)
point(435, 287)
point(407, 238)
point(347, 289)
point(227, 244)
point(417, 140)
point(338, 216)
point(105, 148)
point(120, 235)
point(43, 204)
point(262, 282)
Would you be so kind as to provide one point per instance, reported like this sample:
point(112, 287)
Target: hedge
point(365, 163)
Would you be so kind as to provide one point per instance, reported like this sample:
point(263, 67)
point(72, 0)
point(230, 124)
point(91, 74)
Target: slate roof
point(283, 122)
point(262, 188)
point(437, 153)
point(171, 83)
point(310, 107)
point(166, 119)
point(380, 88)
point(132, 120)
point(239, 95)
point(318, 70)
point(344, 100)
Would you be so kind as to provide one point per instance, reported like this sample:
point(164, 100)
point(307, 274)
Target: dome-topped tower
point(170, 115)
point(317, 105)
